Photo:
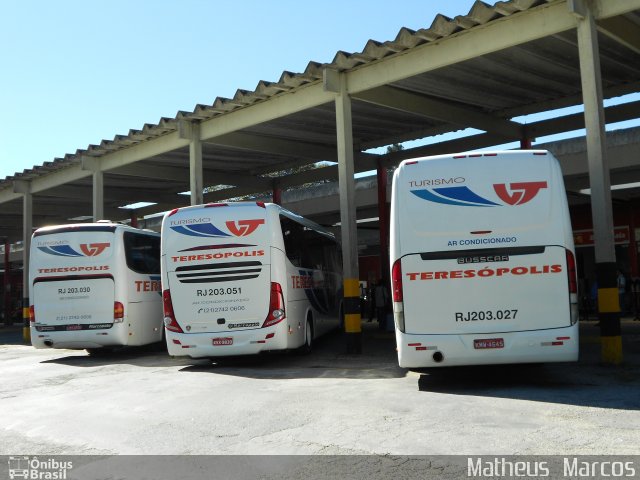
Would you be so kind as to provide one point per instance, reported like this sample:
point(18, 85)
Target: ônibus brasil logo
point(240, 228)
point(86, 250)
point(518, 193)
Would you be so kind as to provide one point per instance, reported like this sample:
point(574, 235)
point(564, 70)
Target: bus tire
point(305, 349)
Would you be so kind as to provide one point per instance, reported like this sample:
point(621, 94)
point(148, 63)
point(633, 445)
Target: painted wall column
point(383, 222)
point(336, 82)
point(277, 194)
point(601, 208)
point(195, 166)
point(633, 245)
point(6, 283)
point(27, 228)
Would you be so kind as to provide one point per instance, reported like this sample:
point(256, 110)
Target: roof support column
point(191, 131)
point(336, 82)
point(599, 179)
point(93, 165)
point(27, 227)
point(98, 195)
point(195, 166)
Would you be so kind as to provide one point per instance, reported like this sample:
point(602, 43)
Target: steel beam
point(449, 112)
point(622, 30)
point(276, 146)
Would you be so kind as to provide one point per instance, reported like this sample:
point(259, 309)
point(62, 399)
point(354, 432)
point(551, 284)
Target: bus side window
point(142, 252)
point(292, 241)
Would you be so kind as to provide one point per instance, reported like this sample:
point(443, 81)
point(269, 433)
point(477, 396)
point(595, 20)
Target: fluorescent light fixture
point(622, 186)
point(362, 220)
point(137, 205)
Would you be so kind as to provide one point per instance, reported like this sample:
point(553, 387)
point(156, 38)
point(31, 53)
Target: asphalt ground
point(141, 401)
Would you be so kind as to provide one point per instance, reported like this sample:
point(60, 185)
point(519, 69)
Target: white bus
point(95, 286)
point(242, 278)
point(482, 261)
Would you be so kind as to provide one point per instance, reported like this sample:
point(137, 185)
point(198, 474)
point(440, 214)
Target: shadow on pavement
point(327, 360)
point(586, 383)
point(154, 355)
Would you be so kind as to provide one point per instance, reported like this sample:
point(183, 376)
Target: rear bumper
point(247, 342)
point(541, 346)
point(80, 339)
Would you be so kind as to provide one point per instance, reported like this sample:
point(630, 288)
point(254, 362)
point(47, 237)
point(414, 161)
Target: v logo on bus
point(86, 250)
point(523, 192)
point(93, 249)
point(518, 193)
point(242, 228)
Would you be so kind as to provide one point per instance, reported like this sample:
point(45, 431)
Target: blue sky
point(76, 72)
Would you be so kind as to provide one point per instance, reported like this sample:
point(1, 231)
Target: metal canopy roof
point(476, 70)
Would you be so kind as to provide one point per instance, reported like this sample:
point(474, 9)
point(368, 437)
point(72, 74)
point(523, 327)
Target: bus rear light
point(413, 344)
point(176, 341)
point(173, 212)
point(573, 287)
point(396, 285)
point(170, 322)
point(396, 280)
point(563, 338)
point(118, 312)
point(270, 335)
point(261, 204)
point(213, 205)
point(32, 314)
point(276, 306)
point(571, 272)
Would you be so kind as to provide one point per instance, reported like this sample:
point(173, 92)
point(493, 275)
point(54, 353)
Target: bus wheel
point(308, 337)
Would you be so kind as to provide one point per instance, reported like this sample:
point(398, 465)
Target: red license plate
point(488, 343)
point(223, 341)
